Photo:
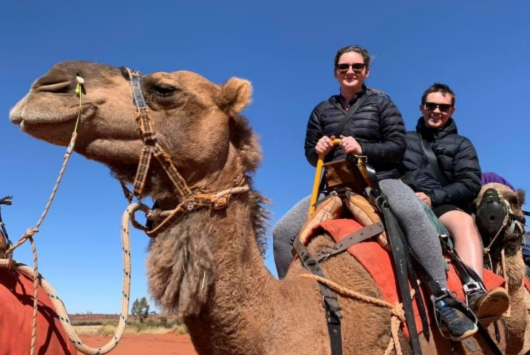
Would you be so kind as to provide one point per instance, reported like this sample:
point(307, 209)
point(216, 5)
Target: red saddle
point(378, 262)
point(16, 319)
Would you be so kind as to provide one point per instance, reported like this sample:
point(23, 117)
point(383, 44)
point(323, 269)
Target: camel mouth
point(22, 117)
point(46, 119)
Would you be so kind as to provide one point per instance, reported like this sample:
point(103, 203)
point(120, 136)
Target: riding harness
point(190, 199)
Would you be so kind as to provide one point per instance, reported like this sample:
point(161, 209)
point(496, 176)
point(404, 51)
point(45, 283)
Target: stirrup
point(451, 299)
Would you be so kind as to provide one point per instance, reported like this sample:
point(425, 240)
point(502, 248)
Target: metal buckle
point(133, 207)
point(471, 287)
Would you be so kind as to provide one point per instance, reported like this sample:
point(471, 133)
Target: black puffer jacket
point(457, 159)
point(377, 126)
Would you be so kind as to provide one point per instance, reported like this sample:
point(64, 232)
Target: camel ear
point(235, 96)
point(521, 194)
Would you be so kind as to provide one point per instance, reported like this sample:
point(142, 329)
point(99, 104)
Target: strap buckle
point(333, 308)
point(472, 287)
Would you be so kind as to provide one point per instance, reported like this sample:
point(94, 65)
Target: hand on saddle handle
point(325, 144)
point(350, 145)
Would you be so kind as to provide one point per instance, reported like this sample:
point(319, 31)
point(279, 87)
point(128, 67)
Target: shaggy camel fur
point(516, 319)
point(209, 266)
point(3, 245)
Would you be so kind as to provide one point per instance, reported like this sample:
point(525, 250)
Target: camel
point(515, 269)
point(3, 244)
point(526, 348)
point(208, 266)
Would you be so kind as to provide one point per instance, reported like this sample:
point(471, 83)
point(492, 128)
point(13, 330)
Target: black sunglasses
point(431, 106)
point(356, 67)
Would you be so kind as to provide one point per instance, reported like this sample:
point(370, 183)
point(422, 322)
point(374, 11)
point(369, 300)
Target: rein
point(190, 199)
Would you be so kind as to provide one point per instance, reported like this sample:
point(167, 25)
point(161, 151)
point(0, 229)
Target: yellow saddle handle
point(318, 175)
point(361, 165)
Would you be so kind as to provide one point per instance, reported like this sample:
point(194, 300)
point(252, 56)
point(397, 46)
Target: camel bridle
point(191, 199)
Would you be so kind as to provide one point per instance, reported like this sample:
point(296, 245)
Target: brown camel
point(517, 318)
point(3, 245)
point(209, 265)
point(526, 348)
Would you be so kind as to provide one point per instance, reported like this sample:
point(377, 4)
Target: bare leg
point(467, 239)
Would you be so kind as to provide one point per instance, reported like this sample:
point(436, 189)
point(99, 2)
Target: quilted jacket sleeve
point(313, 134)
point(393, 145)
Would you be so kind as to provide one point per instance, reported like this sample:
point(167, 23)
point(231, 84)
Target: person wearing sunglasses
point(373, 128)
point(443, 168)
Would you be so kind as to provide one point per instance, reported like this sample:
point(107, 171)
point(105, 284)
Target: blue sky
point(286, 49)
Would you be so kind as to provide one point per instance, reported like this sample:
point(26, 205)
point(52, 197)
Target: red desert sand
point(164, 344)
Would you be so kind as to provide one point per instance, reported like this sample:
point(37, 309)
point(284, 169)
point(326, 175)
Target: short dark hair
point(356, 49)
point(438, 87)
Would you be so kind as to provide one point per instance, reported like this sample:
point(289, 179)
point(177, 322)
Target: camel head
point(196, 122)
point(510, 238)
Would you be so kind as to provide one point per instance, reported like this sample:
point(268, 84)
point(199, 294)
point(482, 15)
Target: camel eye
point(163, 90)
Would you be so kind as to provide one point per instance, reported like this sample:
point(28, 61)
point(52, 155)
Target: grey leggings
point(407, 208)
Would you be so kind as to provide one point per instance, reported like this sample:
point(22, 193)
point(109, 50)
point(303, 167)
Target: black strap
point(349, 114)
point(331, 302)
point(467, 275)
point(352, 239)
point(433, 161)
point(487, 338)
point(5, 201)
point(400, 256)
point(396, 239)
point(436, 291)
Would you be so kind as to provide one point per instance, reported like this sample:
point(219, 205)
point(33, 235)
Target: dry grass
point(87, 329)
point(153, 326)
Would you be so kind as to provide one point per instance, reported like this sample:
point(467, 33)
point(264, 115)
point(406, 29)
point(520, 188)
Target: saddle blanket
point(379, 264)
point(16, 319)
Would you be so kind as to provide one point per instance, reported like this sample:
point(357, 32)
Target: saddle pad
point(378, 262)
point(16, 319)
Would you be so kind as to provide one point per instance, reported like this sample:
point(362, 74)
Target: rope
point(32, 231)
point(504, 223)
point(59, 305)
point(505, 276)
point(37, 278)
point(397, 317)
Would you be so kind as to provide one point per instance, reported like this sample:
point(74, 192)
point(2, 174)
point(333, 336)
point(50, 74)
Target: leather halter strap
point(151, 145)
point(190, 200)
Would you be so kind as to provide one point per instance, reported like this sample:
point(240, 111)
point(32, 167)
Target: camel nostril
point(56, 81)
point(55, 87)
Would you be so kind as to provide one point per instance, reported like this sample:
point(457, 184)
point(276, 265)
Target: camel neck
point(241, 287)
point(240, 284)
